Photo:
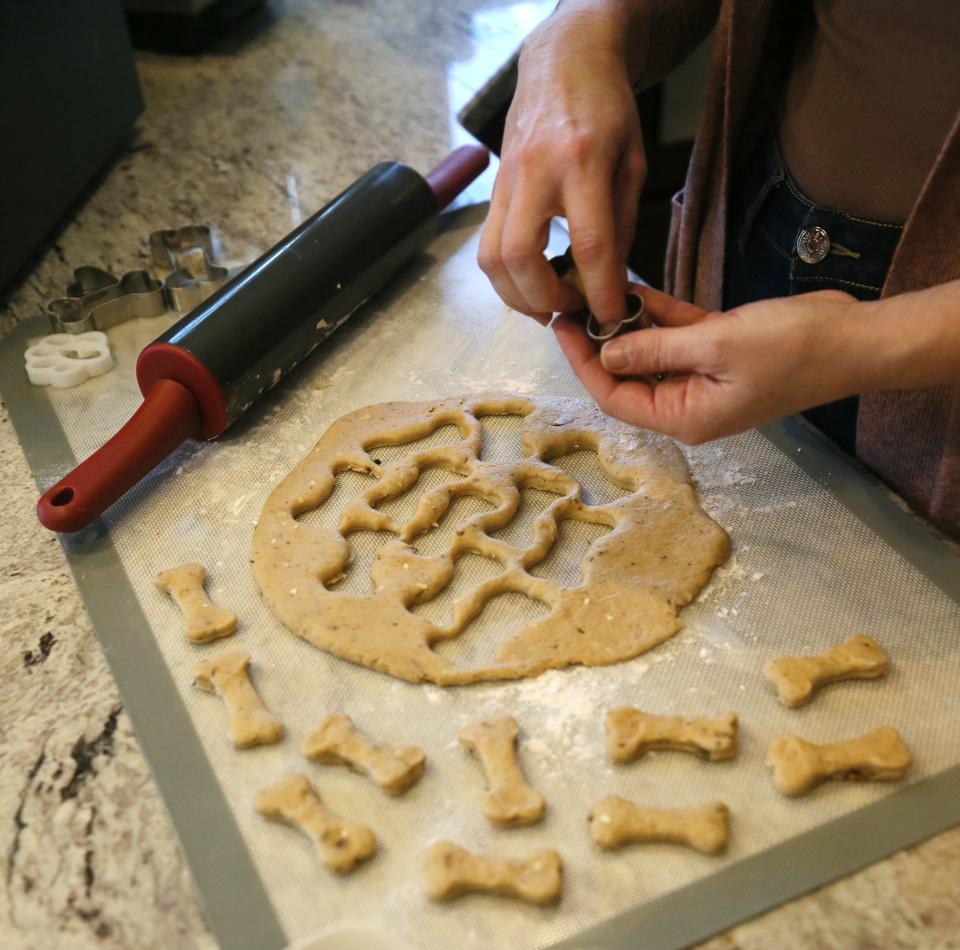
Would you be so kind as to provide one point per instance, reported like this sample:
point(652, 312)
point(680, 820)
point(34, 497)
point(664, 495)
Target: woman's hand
point(730, 371)
point(572, 147)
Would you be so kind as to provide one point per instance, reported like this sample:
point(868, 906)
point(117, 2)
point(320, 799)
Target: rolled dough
point(658, 553)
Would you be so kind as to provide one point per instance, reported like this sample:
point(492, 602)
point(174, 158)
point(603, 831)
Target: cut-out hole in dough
point(501, 438)
point(401, 507)
point(388, 454)
point(440, 539)
point(357, 575)
point(470, 571)
point(501, 617)
point(564, 564)
point(596, 486)
point(518, 532)
point(348, 487)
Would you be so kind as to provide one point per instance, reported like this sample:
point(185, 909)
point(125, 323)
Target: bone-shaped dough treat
point(631, 733)
point(615, 822)
point(510, 801)
point(337, 741)
point(293, 800)
point(453, 871)
point(799, 765)
point(204, 621)
point(796, 677)
point(228, 675)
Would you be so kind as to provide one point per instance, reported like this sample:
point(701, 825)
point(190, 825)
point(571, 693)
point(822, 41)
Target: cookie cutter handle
point(169, 415)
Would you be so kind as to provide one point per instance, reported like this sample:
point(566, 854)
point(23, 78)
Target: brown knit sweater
point(911, 438)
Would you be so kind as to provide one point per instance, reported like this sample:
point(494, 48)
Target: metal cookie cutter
point(96, 300)
point(566, 269)
point(189, 255)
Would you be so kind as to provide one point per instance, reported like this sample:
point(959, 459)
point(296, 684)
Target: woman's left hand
point(727, 371)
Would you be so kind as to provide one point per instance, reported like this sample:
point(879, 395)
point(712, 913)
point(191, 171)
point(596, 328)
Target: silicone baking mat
point(819, 553)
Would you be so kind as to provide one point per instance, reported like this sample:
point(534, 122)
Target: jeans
point(781, 243)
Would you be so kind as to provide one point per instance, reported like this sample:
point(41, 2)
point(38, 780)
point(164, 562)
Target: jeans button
point(813, 245)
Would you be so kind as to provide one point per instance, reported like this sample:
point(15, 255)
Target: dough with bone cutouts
point(658, 553)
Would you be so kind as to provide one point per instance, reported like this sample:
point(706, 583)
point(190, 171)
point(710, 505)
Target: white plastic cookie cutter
point(62, 360)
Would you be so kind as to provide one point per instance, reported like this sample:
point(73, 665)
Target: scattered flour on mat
point(726, 579)
point(713, 469)
point(561, 711)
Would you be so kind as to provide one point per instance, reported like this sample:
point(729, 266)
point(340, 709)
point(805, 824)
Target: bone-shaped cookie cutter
point(799, 765)
point(292, 800)
point(96, 300)
point(614, 822)
point(453, 871)
point(566, 269)
point(337, 741)
point(188, 253)
point(166, 244)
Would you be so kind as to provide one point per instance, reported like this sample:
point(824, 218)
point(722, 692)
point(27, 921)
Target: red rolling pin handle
point(169, 415)
point(456, 171)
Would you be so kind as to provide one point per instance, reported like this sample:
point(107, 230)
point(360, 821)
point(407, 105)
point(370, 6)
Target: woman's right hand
point(572, 147)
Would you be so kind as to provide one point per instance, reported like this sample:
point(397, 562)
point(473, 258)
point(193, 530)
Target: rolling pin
point(215, 363)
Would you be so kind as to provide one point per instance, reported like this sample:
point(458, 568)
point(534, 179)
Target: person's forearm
point(621, 26)
point(627, 28)
point(599, 31)
point(912, 340)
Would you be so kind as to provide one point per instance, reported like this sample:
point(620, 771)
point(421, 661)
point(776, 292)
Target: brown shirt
point(911, 438)
point(872, 92)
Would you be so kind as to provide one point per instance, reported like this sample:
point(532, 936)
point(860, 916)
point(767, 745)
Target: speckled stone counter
point(251, 138)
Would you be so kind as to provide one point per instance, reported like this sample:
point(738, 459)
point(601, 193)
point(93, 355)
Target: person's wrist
point(596, 30)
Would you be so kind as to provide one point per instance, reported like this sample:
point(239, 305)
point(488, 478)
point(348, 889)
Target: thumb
point(656, 350)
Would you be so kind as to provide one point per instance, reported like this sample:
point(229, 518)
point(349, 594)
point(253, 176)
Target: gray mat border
point(237, 904)
point(233, 896)
point(861, 493)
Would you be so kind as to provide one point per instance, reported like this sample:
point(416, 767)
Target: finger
point(526, 232)
point(511, 296)
point(593, 236)
point(489, 258)
point(626, 189)
point(515, 300)
point(670, 407)
point(675, 407)
point(488, 251)
point(668, 311)
point(657, 350)
point(585, 362)
point(579, 350)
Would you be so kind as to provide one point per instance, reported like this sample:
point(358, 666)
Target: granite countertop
point(251, 138)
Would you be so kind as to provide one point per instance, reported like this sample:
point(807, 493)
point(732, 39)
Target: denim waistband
point(856, 252)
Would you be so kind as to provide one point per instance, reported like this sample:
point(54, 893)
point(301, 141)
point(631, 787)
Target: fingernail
point(615, 356)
